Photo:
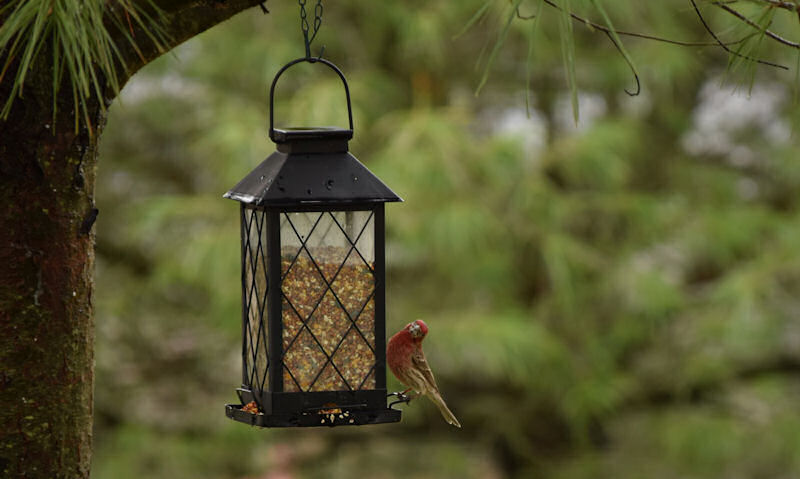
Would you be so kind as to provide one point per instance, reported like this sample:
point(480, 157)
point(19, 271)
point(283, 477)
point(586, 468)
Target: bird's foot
point(401, 397)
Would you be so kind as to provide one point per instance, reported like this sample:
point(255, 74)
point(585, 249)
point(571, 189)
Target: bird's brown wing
point(421, 365)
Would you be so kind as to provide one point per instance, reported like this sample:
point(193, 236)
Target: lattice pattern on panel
point(327, 287)
point(256, 283)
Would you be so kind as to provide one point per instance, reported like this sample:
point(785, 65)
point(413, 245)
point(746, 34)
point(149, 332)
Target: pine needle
point(529, 61)
point(615, 37)
point(746, 52)
point(82, 46)
point(500, 40)
point(568, 55)
point(478, 14)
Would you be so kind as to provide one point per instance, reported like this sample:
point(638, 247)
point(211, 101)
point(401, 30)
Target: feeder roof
point(311, 167)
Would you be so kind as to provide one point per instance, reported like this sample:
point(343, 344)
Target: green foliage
point(751, 47)
point(501, 39)
point(77, 33)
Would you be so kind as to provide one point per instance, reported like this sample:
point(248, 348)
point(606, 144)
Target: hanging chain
point(305, 27)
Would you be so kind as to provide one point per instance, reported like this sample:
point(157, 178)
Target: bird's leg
point(402, 397)
point(399, 395)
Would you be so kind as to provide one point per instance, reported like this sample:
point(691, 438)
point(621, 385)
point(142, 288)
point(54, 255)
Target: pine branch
point(724, 46)
point(602, 28)
point(184, 19)
point(793, 7)
point(753, 24)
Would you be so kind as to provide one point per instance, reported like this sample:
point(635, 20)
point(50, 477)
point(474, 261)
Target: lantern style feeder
point(313, 319)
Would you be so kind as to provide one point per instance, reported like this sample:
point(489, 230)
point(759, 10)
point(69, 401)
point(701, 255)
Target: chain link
point(304, 26)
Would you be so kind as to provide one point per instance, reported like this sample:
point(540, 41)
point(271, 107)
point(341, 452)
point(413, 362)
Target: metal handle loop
point(309, 60)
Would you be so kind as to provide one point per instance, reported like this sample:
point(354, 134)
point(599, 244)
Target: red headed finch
point(407, 362)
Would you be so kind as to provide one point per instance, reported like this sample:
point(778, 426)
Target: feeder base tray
point(310, 419)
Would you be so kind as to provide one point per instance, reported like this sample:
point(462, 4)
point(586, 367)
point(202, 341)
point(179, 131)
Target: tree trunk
point(46, 266)
point(47, 175)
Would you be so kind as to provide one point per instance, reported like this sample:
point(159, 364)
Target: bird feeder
point(313, 302)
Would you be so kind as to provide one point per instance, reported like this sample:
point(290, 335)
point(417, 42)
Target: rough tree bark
point(47, 175)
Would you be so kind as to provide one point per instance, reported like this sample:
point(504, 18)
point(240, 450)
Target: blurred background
point(613, 298)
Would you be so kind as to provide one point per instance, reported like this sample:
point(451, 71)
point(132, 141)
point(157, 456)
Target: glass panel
point(329, 323)
point(354, 286)
point(329, 380)
point(304, 360)
point(303, 286)
point(366, 322)
point(355, 360)
point(329, 245)
point(291, 324)
point(254, 265)
point(362, 221)
point(328, 282)
point(298, 231)
point(295, 230)
point(369, 383)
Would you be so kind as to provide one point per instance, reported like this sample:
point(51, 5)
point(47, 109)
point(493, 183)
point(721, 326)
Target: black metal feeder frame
point(313, 319)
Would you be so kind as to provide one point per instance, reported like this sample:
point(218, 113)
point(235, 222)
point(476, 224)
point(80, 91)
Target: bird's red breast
point(399, 350)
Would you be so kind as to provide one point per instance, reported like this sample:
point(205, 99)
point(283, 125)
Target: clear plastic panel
point(255, 295)
point(328, 279)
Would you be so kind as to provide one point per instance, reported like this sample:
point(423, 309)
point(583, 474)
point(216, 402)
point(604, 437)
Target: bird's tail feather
point(446, 413)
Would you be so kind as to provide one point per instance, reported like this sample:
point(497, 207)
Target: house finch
point(407, 362)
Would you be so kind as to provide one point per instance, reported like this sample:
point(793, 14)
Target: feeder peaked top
point(311, 166)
